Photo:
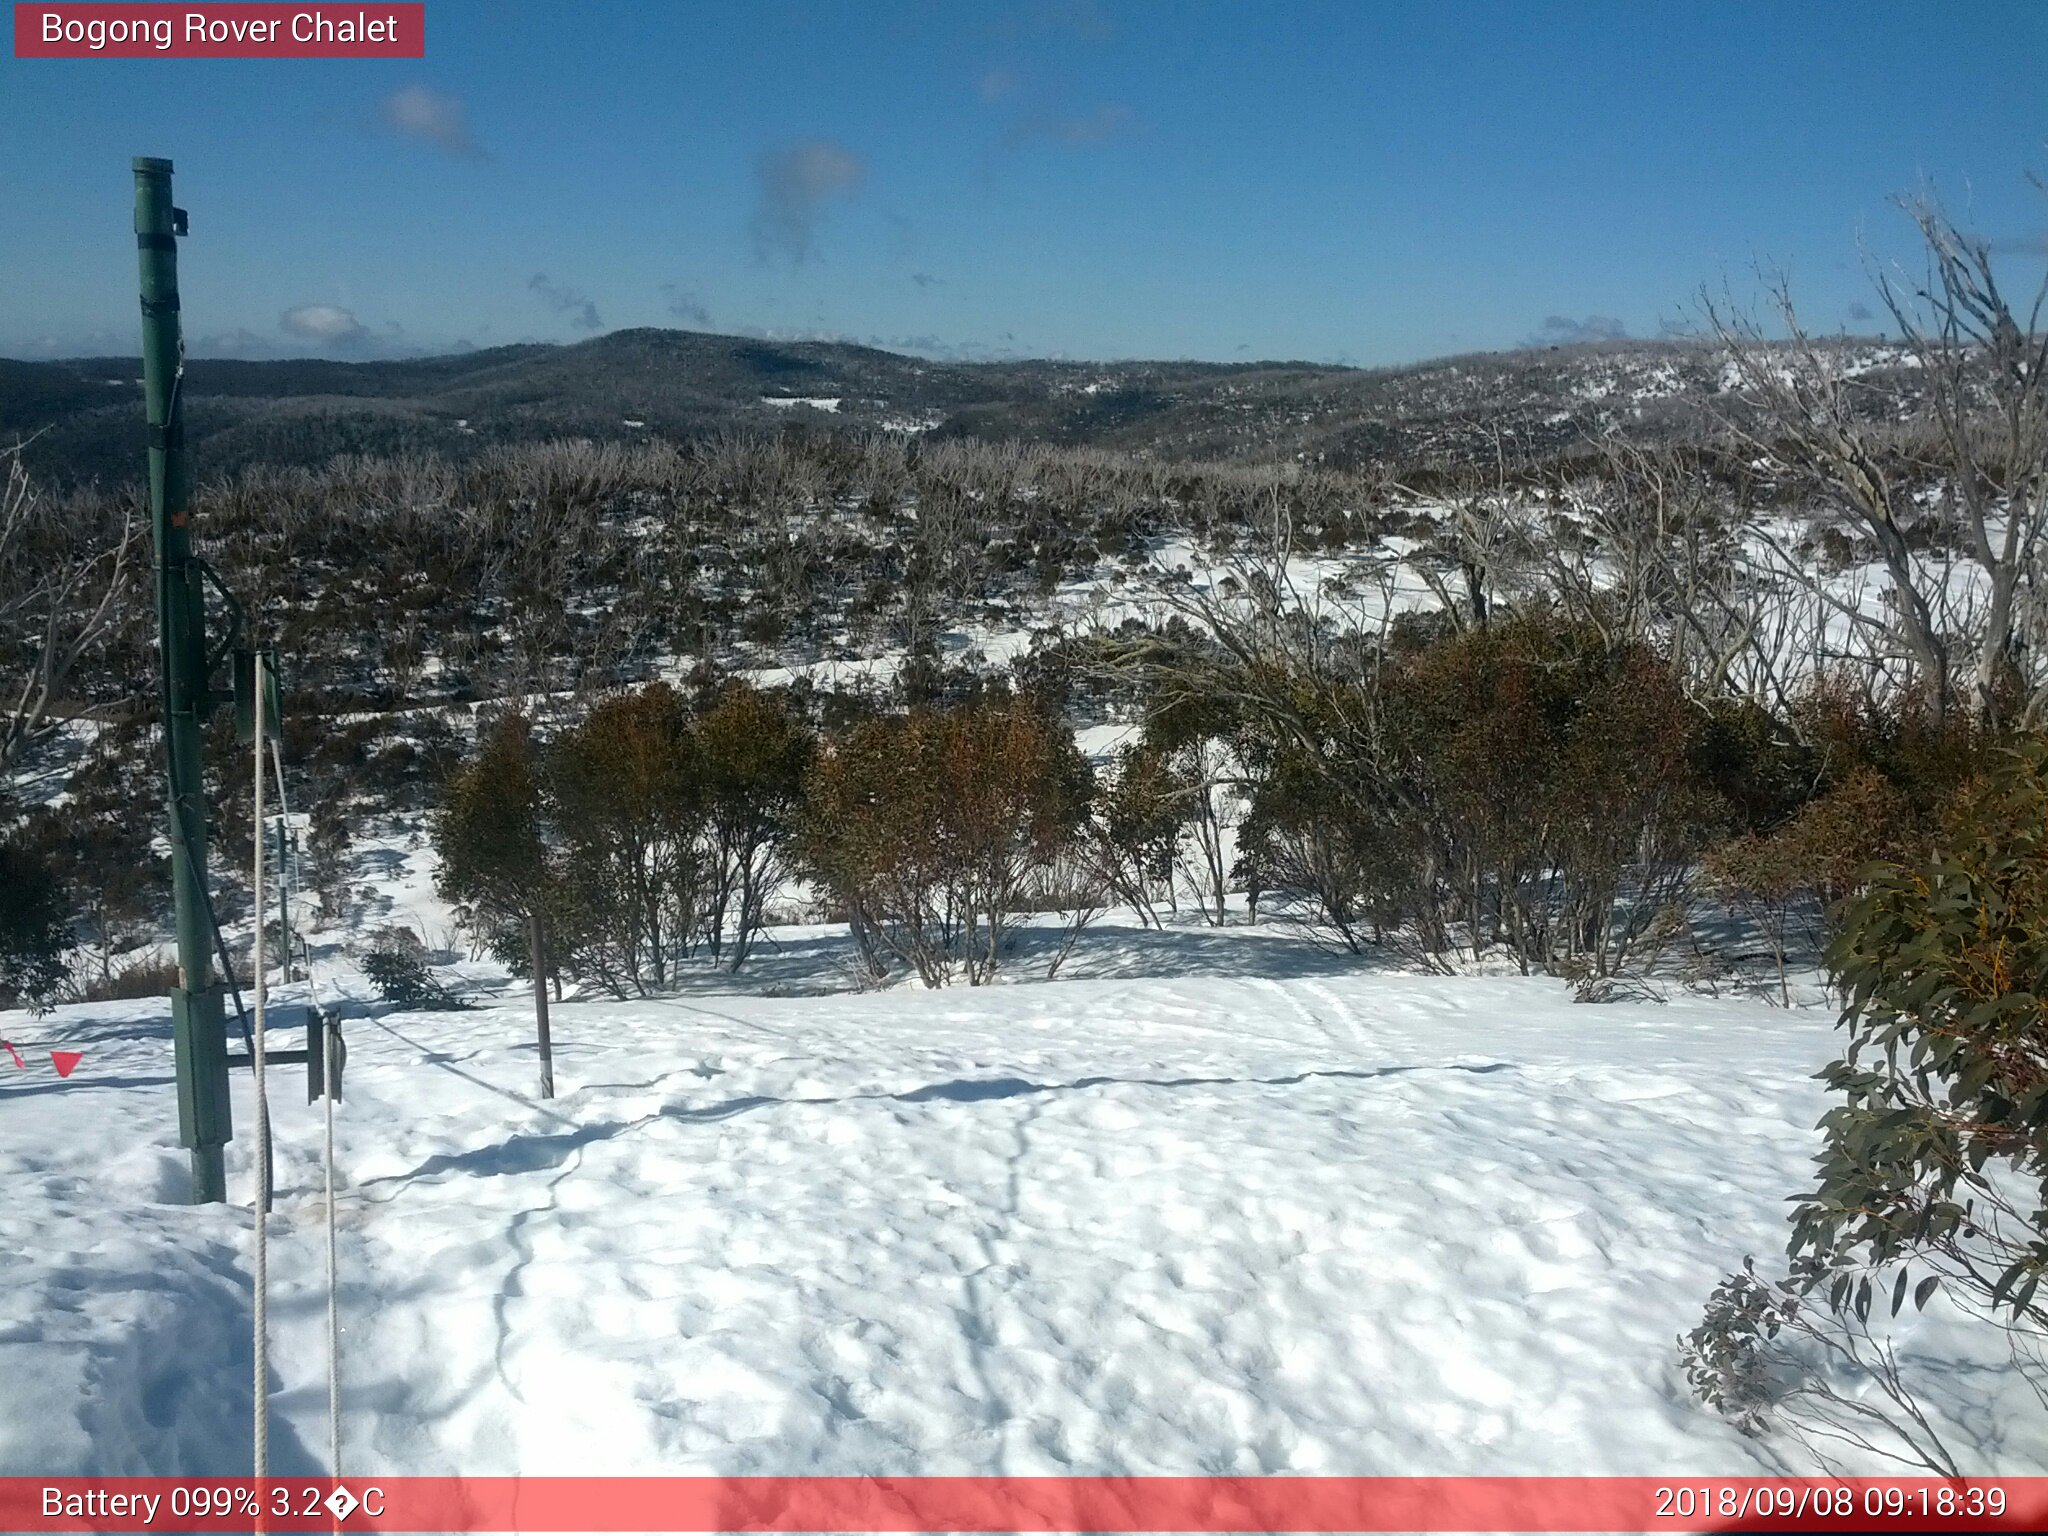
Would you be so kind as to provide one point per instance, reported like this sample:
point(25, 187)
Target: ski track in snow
point(1330, 1223)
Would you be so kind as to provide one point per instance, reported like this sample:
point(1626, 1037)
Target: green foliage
point(1812, 1358)
point(1140, 811)
point(635, 835)
point(498, 860)
point(1844, 781)
point(1355, 869)
point(753, 752)
point(1934, 1164)
point(35, 929)
point(627, 794)
point(488, 830)
point(1201, 742)
point(1943, 966)
point(396, 964)
point(1565, 766)
point(928, 827)
point(1524, 784)
point(98, 843)
point(1816, 859)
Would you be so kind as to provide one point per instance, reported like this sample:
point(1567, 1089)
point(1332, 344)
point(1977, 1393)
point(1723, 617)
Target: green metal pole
point(198, 1014)
point(284, 898)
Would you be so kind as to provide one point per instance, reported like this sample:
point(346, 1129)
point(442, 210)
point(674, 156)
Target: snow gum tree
point(1979, 440)
point(752, 755)
point(628, 796)
point(1140, 812)
point(1195, 738)
point(1851, 779)
point(929, 828)
point(64, 571)
point(1933, 1172)
point(496, 864)
point(1944, 967)
point(1528, 785)
point(35, 932)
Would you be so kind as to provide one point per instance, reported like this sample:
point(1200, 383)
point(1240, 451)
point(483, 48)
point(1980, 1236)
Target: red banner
point(1024, 1504)
point(220, 31)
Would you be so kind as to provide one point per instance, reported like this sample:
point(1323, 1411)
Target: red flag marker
point(15, 1054)
point(64, 1061)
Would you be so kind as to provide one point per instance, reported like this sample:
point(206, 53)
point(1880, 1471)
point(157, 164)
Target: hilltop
point(684, 384)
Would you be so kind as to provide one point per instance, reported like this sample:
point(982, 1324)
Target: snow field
point(1316, 1223)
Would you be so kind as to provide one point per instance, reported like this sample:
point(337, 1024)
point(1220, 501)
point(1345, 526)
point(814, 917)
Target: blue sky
point(1361, 181)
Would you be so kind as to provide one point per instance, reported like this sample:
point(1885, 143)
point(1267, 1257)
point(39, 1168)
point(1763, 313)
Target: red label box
point(388, 1506)
point(365, 29)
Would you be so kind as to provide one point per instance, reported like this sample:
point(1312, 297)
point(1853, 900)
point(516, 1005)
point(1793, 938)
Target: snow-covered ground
point(1219, 1204)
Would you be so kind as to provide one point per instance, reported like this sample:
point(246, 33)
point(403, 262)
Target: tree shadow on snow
point(536, 1153)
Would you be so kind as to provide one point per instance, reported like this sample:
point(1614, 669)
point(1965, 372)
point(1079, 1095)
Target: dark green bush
point(35, 929)
point(1524, 784)
point(930, 829)
point(396, 964)
point(1934, 1164)
point(1943, 966)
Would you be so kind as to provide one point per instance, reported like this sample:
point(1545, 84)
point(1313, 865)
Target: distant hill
point(629, 384)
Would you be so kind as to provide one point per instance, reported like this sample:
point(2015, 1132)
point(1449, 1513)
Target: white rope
point(260, 1343)
point(328, 1067)
point(333, 1289)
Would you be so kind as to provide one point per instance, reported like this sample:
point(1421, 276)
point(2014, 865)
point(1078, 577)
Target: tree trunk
point(537, 953)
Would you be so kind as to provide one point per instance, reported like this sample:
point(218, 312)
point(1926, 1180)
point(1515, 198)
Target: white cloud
point(1564, 330)
point(564, 300)
point(430, 117)
point(328, 323)
point(684, 304)
point(797, 183)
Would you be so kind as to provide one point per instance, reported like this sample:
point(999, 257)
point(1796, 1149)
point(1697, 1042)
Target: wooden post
point(537, 956)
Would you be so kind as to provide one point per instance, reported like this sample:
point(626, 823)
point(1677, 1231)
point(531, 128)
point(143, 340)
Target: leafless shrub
point(63, 570)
